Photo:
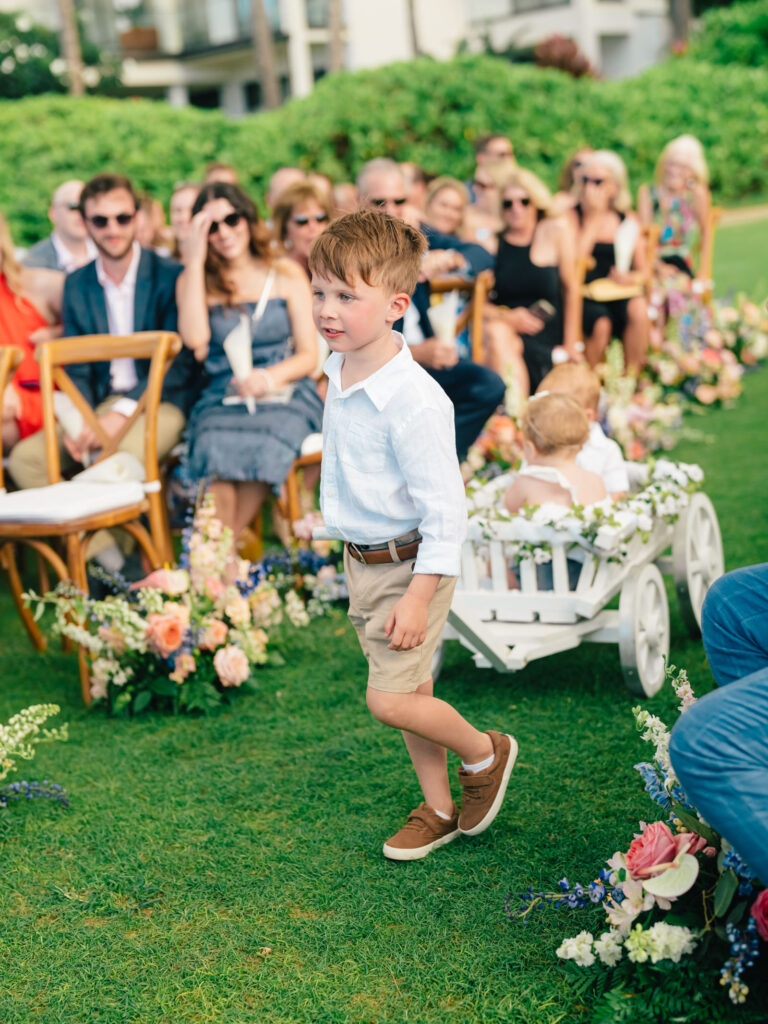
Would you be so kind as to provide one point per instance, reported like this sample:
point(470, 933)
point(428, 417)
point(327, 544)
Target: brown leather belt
point(383, 555)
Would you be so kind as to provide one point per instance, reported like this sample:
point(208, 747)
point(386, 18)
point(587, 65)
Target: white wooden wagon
point(660, 529)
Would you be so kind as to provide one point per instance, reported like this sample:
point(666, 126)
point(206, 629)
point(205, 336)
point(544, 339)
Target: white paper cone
point(443, 317)
point(68, 415)
point(624, 244)
point(237, 347)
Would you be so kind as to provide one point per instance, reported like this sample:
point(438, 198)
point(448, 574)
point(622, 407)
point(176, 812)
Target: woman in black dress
point(534, 304)
point(604, 205)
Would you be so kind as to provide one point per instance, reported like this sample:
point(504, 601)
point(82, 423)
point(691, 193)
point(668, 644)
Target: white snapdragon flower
point(609, 947)
point(578, 949)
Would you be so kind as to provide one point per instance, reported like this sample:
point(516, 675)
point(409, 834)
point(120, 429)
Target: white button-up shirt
point(119, 300)
point(603, 456)
point(389, 462)
point(67, 260)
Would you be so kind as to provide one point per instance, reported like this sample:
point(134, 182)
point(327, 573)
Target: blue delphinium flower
point(653, 784)
point(23, 790)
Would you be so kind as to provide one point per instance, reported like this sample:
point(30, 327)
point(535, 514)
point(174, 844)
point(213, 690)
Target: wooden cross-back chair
point(471, 316)
point(66, 514)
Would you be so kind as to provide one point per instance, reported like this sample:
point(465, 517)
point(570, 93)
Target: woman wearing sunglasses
point(615, 306)
point(534, 303)
point(229, 275)
point(301, 213)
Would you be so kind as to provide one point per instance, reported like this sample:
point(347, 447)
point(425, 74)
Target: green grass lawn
point(228, 870)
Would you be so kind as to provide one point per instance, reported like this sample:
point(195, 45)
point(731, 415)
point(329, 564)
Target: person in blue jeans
point(719, 747)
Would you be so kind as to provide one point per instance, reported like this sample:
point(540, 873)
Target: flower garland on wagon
point(182, 639)
point(680, 890)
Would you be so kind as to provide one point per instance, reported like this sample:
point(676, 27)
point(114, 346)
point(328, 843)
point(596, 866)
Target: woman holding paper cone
point(232, 291)
point(30, 313)
point(534, 303)
point(605, 227)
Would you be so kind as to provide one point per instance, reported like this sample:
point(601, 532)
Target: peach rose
point(171, 581)
point(214, 636)
point(165, 633)
point(231, 665)
point(214, 587)
point(183, 665)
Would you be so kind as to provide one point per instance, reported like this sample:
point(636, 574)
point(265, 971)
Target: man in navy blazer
point(125, 289)
point(476, 391)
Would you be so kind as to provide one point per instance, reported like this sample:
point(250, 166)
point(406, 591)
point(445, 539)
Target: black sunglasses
point(381, 203)
point(98, 220)
point(592, 181)
point(73, 207)
point(231, 220)
point(507, 204)
point(302, 221)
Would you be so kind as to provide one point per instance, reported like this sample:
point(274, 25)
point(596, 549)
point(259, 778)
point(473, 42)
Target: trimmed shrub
point(737, 34)
point(424, 111)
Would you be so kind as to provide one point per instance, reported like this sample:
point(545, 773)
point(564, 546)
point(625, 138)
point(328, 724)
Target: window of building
point(208, 99)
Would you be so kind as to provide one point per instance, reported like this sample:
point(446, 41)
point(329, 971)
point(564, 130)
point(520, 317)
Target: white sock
point(441, 815)
point(480, 766)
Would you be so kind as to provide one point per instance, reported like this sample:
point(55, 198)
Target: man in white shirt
point(125, 289)
point(68, 246)
point(391, 488)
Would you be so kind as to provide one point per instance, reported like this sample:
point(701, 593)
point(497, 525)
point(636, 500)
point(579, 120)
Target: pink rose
point(214, 636)
point(231, 665)
point(171, 581)
point(759, 910)
point(215, 588)
point(655, 845)
point(183, 665)
point(165, 633)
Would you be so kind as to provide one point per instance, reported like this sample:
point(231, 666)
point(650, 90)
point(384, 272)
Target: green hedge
point(737, 34)
point(426, 111)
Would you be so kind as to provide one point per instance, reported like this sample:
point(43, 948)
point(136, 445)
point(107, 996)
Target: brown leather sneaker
point(423, 832)
point(484, 791)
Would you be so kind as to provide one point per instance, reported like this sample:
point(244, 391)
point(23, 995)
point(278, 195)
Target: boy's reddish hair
point(379, 249)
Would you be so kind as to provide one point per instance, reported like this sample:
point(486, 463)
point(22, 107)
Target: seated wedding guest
point(492, 149)
point(280, 180)
point(30, 312)
point(301, 213)
point(603, 207)
point(125, 289)
point(415, 185)
point(68, 245)
point(245, 447)
point(599, 453)
point(322, 183)
point(476, 391)
point(679, 202)
point(719, 746)
point(151, 230)
point(570, 182)
point(221, 172)
point(180, 210)
point(482, 219)
point(445, 205)
point(534, 303)
point(345, 198)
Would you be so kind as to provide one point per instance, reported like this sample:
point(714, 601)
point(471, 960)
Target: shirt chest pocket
point(365, 449)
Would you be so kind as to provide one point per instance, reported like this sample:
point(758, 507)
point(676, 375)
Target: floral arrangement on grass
point(740, 327)
point(678, 891)
point(498, 449)
point(181, 638)
point(19, 739)
point(605, 526)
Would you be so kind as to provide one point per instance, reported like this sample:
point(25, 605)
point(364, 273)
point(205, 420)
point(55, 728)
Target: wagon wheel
point(643, 630)
point(697, 558)
point(437, 659)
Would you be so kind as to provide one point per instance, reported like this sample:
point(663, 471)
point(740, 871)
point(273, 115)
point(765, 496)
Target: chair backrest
point(471, 316)
point(10, 358)
point(159, 347)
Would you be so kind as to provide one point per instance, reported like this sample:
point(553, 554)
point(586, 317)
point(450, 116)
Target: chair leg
point(79, 576)
point(159, 527)
point(8, 559)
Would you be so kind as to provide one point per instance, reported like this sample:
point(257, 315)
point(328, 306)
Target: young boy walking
point(391, 489)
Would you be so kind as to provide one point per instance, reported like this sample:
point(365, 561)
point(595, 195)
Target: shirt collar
point(65, 256)
point(129, 281)
point(381, 385)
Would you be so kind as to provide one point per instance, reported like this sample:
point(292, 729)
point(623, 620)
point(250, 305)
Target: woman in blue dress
point(244, 434)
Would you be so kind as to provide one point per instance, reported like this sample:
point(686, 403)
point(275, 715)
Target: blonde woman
point(30, 313)
point(679, 202)
point(534, 305)
point(482, 219)
point(604, 205)
point(445, 205)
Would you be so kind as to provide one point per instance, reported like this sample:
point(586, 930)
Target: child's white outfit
point(603, 456)
point(551, 475)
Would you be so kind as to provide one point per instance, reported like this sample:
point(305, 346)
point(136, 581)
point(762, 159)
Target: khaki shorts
point(374, 590)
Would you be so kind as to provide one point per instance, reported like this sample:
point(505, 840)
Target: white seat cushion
point(312, 443)
point(71, 499)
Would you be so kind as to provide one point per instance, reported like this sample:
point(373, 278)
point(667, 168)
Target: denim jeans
point(719, 747)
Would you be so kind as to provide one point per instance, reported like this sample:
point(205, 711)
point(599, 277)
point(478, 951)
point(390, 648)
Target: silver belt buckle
point(356, 553)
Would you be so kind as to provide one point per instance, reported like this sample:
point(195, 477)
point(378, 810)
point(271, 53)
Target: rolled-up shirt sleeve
point(425, 450)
